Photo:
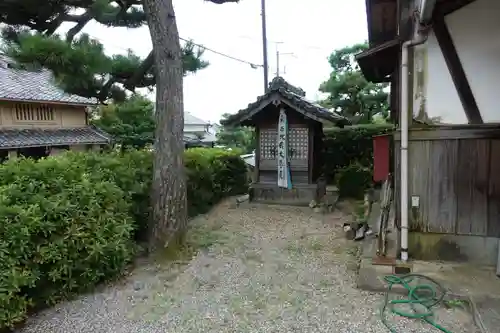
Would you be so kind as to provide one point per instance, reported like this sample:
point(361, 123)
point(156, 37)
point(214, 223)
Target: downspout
point(426, 10)
point(418, 40)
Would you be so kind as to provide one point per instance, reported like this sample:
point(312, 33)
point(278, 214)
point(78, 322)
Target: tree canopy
point(77, 60)
point(131, 123)
point(350, 94)
point(236, 137)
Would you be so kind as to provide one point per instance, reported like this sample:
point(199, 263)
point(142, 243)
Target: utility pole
point(277, 61)
point(278, 54)
point(264, 45)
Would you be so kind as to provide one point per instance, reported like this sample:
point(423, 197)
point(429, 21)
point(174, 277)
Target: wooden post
point(456, 70)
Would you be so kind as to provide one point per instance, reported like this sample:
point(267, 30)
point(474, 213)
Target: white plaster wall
point(475, 30)
point(194, 128)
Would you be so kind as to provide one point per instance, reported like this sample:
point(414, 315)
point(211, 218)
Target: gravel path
point(268, 269)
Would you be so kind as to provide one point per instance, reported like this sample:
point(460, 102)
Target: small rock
point(318, 209)
point(242, 198)
point(138, 285)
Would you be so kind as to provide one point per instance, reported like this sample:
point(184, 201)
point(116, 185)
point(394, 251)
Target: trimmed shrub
point(344, 147)
point(353, 180)
point(213, 174)
point(131, 171)
point(68, 222)
point(62, 231)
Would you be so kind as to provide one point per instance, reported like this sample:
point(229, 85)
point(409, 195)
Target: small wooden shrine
point(289, 131)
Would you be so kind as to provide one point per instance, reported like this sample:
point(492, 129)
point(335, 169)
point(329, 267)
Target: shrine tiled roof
point(291, 95)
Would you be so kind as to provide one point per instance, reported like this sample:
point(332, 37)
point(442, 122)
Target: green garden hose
point(421, 298)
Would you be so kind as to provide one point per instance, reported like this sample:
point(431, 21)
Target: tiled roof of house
point(189, 119)
point(36, 86)
point(292, 95)
point(35, 137)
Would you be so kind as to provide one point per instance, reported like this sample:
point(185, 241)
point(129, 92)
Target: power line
point(295, 45)
point(253, 65)
point(222, 54)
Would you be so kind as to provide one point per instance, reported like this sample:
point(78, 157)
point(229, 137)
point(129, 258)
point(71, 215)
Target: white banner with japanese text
point(284, 177)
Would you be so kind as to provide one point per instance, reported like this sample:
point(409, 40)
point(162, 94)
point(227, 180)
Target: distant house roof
point(189, 119)
point(33, 86)
point(206, 137)
point(34, 137)
point(294, 97)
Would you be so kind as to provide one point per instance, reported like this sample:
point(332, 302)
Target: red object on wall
point(381, 145)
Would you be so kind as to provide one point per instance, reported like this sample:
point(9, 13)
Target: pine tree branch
point(80, 24)
point(145, 66)
point(104, 93)
point(93, 65)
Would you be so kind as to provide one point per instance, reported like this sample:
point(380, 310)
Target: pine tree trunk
point(169, 216)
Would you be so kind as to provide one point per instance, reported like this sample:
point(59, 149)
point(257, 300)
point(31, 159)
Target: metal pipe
point(426, 10)
point(404, 126)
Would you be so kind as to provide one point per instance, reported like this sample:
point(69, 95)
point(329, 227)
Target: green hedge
point(68, 222)
point(62, 231)
point(211, 175)
point(348, 156)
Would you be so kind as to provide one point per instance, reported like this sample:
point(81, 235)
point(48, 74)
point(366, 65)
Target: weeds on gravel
point(203, 236)
point(253, 256)
point(315, 245)
point(299, 247)
point(199, 236)
point(354, 258)
point(294, 248)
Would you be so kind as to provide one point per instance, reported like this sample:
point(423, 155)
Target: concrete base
point(299, 195)
point(486, 314)
point(476, 285)
point(462, 248)
point(464, 279)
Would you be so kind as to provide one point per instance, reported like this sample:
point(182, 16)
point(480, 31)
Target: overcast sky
point(310, 29)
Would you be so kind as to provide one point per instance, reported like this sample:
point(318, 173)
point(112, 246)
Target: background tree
point(240, 137)
point(350, 94)
point(131, 123)
point(81, 67)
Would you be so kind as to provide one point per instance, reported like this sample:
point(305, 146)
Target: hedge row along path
point(265, 269)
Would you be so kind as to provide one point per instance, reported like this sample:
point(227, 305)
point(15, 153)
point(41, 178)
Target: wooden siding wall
point(456, 174)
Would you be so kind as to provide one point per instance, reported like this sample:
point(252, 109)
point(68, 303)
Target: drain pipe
point(418, 40)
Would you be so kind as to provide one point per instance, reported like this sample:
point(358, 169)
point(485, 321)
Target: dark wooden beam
point(456, 70)
point(449, 6)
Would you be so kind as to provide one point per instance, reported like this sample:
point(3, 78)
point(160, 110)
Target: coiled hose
point(421, 299)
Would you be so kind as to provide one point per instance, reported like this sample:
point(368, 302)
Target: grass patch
point(324, 284)
point(456, 303)
point(298, 247)
point(353, 251)
point(354, 257)
point(293, 247)
point(316, 245)
point(253, 256)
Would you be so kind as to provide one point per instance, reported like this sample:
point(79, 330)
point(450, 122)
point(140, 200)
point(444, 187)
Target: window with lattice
point(268, 141)
point(298, 143)
point(34, 112)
